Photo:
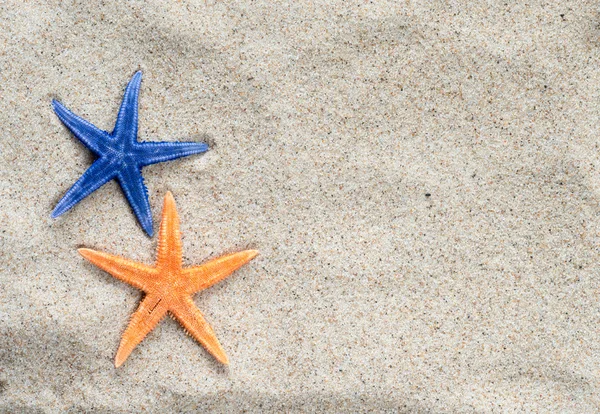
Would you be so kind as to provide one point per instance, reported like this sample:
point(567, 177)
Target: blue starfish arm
point(99, 173)
point(132, 183)
point(93, 138)
point(126, 127)
point(153, 152)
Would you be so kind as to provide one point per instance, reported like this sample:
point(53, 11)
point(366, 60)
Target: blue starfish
point(120, 155)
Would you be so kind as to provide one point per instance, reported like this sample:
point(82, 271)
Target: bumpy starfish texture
point(120, 155)
point(168, 286)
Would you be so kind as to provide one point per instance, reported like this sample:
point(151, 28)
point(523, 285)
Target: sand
point(421, 178)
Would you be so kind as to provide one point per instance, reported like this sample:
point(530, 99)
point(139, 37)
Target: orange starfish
point(168, 286)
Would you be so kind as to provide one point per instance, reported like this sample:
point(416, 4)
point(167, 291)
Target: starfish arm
point(126, 127)
point(206, 275)
point(153, 152)
point(93, 138)
point(186, 312)
point(136, 274)
point(169, 236)
point(144, 320)
point(99, 173)
point(132, 183)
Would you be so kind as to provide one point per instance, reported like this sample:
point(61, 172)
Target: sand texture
point(421, 178)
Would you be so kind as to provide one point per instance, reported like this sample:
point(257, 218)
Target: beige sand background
point(329, 123)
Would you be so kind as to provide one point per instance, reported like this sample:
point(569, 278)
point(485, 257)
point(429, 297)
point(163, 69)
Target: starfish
point(168, 286)
point(120, 155)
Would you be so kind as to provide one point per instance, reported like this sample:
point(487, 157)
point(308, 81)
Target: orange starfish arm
point(145, 318)
point(194, 323)
point(169, 237)
point(206, 275)
point(136, 274)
